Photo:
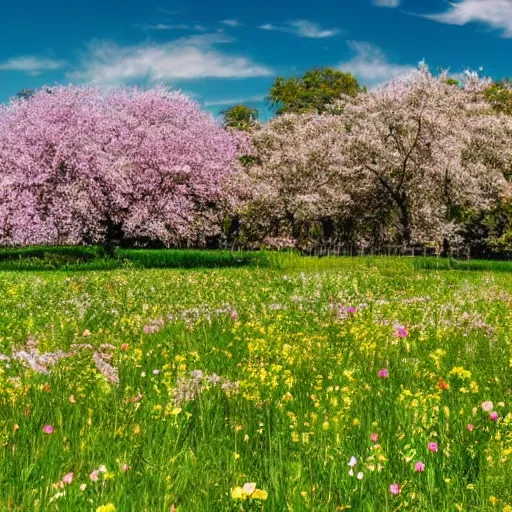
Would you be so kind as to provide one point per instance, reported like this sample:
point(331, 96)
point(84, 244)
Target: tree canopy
point(83, 165)
point(240, 117)
point(312, 92)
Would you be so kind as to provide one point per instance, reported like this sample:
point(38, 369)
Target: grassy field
point(276, 384)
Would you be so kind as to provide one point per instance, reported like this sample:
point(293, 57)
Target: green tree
point(240, 117)
point(311, 92)
point(26, 93)
point(500, 96)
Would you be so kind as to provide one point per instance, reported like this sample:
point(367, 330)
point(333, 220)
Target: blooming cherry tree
point(81, 165)
point(429, 146)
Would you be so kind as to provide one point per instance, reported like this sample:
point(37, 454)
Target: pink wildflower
point(48, 429)
point(394, 489)
point(470, 427)
point(67, 479)
point(433, 447)
point(374, 437)
point(400, 331)
point(384, 373)
point(494, 416)
point(487, 406)
point(125, 467)
point(419, 467)
point(94, 475)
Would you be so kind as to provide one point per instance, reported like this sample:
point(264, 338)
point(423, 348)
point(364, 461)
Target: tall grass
point(265, 374)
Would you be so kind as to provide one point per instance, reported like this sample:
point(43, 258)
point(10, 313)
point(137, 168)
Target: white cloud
point(371, 65)
point(31, 65)
point(186, 58)
point(234, 101)
point(302, 28)
point(495, 13)
point(231, 23)
point(173, 26)
point(386, 3)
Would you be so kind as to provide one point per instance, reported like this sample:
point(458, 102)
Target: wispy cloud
point(303, 28)
point(386, 3)
point(31, 65)
point(174, 26)
point(371, 65)
point(186, 58)
point(234, 101)
point(231, 23)
point(495, 13)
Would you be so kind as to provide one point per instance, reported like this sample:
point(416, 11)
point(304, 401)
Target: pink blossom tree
point(431, 147)
point(296, 176)
point(81, 165)
point(398, 162)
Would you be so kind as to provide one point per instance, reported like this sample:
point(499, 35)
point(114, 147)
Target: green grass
point(307, 395)
point(93, 258)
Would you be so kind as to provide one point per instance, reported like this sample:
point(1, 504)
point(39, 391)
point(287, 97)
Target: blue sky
point(227, 52)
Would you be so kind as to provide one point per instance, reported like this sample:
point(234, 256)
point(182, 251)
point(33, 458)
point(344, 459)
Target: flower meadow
point(329, 385)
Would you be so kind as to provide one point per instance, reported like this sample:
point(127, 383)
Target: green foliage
point(26, 94)
point(93, 258)
point(240, 117)
point(311, 92)
point(500, 96)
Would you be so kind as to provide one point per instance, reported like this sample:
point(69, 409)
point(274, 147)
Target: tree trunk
point(113, 237)
point(405, 221)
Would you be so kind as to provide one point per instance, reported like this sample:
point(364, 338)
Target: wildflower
point(352, 462)
point(124, 346)
point(249, 487)
point(351, 310)
point(419, 467)
point(156, 372)
point(237, 493)
point(494, 416)
point(394, 489)
point(259, 494)
point(351, 472)
point(72, 399)
point(248, 490)
point(400, 331)
point(109, 507)
point(470, 427)
point(433, 447)
point(48, 429)
point(143, 374)
point(383, 374)
point(487, 406)
point(86, 332)
point(442, 384)
point(374, 437)
point(94, 475)
point(83, 487)
point(360, 475)
point(67, 479)
point(102, 469)
point(125, 467)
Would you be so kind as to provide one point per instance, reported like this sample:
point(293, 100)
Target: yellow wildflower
point(109, 507)
point(259, 494)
